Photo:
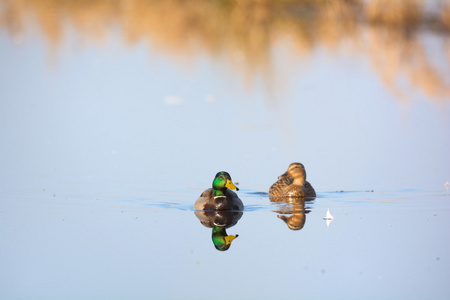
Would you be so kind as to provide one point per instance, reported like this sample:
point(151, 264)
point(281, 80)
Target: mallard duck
point(220, 197)
point(292, 183)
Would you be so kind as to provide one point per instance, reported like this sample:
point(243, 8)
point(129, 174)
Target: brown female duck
point(293, 183)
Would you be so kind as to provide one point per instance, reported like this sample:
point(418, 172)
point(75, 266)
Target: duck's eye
point(221, 177)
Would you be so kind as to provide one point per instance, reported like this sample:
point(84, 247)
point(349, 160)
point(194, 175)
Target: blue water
point(379, 245)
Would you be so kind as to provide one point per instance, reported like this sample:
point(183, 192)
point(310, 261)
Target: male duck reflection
point(219, 221)
point(293, 183)
point(221, 240)
point(220, 197)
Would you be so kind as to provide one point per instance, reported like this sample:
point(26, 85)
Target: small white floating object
point(329, 218)
point(447, 185)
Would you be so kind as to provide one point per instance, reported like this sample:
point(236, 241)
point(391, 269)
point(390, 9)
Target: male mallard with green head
point(220, 197)
point(292, 183)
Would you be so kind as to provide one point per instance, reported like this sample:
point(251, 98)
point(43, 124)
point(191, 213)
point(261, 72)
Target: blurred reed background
point(243, 34)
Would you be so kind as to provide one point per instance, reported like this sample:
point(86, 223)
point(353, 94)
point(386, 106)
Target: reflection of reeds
point(405, 65)
point(243, 33)
point(395, 12)
point(398, 52)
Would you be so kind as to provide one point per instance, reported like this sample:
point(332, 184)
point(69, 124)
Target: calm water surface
point(379, 245)
point(112, 123)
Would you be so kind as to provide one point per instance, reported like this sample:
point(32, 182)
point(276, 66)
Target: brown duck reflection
point(291, 210)
point(219, 221)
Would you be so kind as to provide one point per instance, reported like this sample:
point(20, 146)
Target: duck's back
point(203, 200)
point(285, 187)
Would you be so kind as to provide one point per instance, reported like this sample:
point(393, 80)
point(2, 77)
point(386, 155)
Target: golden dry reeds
point(244, 33)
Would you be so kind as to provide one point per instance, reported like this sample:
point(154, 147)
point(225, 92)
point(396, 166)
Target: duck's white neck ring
point(219, 197)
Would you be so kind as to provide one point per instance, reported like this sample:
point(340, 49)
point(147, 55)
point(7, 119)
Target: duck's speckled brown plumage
point(293, 183)
point(285, 188)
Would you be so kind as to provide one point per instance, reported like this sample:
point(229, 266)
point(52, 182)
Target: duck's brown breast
point(230, 201)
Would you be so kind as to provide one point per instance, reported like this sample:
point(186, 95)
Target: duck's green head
point(221, 182)
point(222, 241)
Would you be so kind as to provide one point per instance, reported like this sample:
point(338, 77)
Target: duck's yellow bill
point(231, 186)
point(230, 238)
